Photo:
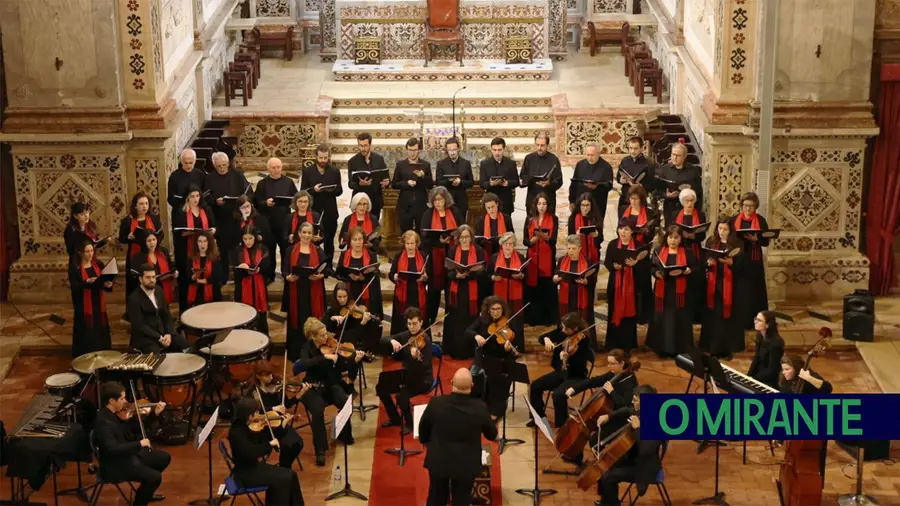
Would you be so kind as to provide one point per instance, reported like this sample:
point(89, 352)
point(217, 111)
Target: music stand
point(204, 437)
point(711, 370)
point(210, 390)
point(537, 492)
point(394, 382)
point(497, 368)
point(340, 420)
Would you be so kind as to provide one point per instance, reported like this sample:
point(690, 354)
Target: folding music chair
point(103, 480)
point(231, 485)
point(659, 481)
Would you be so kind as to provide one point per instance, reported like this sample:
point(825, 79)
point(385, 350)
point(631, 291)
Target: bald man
point(682, 173)
point(273, 200)
point(183, 177)
point(451, 427)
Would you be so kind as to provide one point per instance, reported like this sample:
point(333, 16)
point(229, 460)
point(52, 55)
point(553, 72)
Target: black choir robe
point(325, 201)
point(408, 292)
point(753, 295)
point(139, 230)
point(633, 166)
point(232, 184)
point(623, 334)
point(375, 191)
point(412, 201)
point(259, 223)
point(487, 227)
point(303, 298)
point(461, 307)
point(90, 329)
point(74, 238)
point(579, 296)
point(432, 246)
point(689, 174)
point(722, 333)
point(540, 289)
point(505, 168)
point(697, 279)
point(179, 182)
point(250, 288)
point(372, 298)
point(201, 293)
point(600, 171)
point(537, 165)
point(511, 290)
point(293, 221)
point(182, 244)
point(351, 221)
point(459, 167)
point(275, 216)
point(590, 246)
point(671, 328)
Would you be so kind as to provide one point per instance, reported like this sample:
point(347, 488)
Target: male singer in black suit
point(498, 175)
point(451, 427)
point(272, 199)
point(323, 181)
point(678, 170)
point(152, 327)
point(592, 168)
point(538, 163)
point(368, 160)
point(124, 455)
point(184, 176)
point(413, 178)
point(455, 174)
point(635, 164)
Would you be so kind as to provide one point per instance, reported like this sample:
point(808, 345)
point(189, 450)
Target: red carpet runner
point(408, 485)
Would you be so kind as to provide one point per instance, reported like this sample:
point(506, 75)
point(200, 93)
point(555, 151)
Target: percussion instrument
point(176, 380)
point(86, 364)
point(62, 384)
point(37, 418)
point(214, 316)
point(237, 353)
point(140, 362)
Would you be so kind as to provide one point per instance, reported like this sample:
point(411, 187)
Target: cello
point(800, 479)
point(574, 434)
point(613, 448)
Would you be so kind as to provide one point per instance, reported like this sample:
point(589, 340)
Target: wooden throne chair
point(443, 27)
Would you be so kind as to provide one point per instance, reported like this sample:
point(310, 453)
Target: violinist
point(413, 348)
point(81, 228)
point(410, 288)
point(359, 326)
point(571, 355)
point(324, 365)
point(357, 256)
point(494, 315)
point(640, 465)
point(539, 236)
point(304, 287)
point(156, 256)
point(249, 449)
point(205, 272)
point(441, 216)
point(671, 329)
point(124, 453)
point(361, 217)
point(246, 215)
point(132, 231)
point(463, 294)
point(90, 330)
point(302, 213)
point(508, 284)
point(575, 292)
point(251, 260)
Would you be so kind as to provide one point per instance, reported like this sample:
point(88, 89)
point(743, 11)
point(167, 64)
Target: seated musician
point(640, 465)
point(362, 329)
point(813, 383)
point(416, 362)
point(248, 447)
point(152, 327)
point(571, 355)
point(123, 453)
point(271, 389)
point(324, 365)
point(766, 363)
point(496, 391)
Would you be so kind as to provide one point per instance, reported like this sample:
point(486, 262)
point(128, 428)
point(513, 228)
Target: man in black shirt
point(541, 173)
point(123, 454)
point(592, 168)
point(152, 327)
point(183, 177)
point(225, 185)
point(413, 178)
point(416, 363)
point(680, 172)
point(498, 175)
point(638, 166)
point(373, 184)
point(273, 200)
point(455, 174)
point(324, 182)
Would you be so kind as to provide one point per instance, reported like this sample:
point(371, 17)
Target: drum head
point(63, 380)
point(239, 342)
point(179, 364)
point(218, 316)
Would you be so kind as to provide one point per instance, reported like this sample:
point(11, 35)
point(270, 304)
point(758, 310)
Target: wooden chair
point(639, 50)
point(652, 77)
point(241, 66)
point(252, 57)
point(639, 65)
point(276, 38)
point(596, 38)
point(237, 81)
point(443, 27)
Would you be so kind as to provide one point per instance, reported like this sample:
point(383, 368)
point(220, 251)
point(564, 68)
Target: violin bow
point(262, 407)
point(557, 345)
point(137, 411)
point(439, 320)
point(508, 321)
point(284, 377)
point(353, 307)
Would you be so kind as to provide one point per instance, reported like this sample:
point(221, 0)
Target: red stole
point(587, 242)
point(509, 289)
point(316, 288)
point(246, 223)
point(204, 224)
point(439, 253)
point(755, 249)
point(400, 290)
point(726, 288)
point(162, 263)
point(366, 224)
point(501, 229)
point(206, 274)
point(473, 284)
point(624, 296)
point(135, 248)
point(680, 281)
point(348, 257)
point(641, 220)
point(695, 220)
point(566, 265)
point(253, 288)
point(295, 220)
point(87, 296)
point(542, 256)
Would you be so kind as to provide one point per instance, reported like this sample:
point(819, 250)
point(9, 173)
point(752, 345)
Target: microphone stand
point(454, 110)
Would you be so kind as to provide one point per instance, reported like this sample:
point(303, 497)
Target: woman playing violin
point(497, 345)
point(359, 326)
point(249, 449)
point(413, 348)
point(571, 354)
point(324, 364)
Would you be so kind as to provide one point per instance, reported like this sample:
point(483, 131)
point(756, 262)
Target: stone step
point(381, 131)
point(524, 100)
point(399, 145)
point(473, 114)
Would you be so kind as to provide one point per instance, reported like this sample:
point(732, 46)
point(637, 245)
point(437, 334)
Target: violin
point(358, 312)
point(501, 331)
point(129, 410)
point(345, 350)
point(570, 344)
point(418, 340)
point(259, 421)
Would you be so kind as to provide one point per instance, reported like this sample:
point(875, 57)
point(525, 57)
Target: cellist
point(416, 358)
point(496, 391)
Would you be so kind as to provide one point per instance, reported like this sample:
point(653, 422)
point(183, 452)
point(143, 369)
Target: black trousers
point(497, 386)
point(284, 486)
point(411, 219)
point(557, 382)
point(403, 397)
point(609, 484)
point(146, 467)
point(433, 301)
point(276, 238)
point(442, 489)
point(315, 401)
point(291, 446)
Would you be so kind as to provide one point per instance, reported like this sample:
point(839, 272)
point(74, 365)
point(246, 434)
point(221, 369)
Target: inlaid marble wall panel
point(699, 31)
point(176, 19)
point(557, 24)
point(610, 6)
point(288, 140)
point(273, 8)
point(141, 34)
point(735, 47)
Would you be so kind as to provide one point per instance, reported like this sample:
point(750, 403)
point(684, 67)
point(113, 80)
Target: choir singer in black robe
point(506, 279)
point(90, 330)
point(633, 169)
point(441, 216)
point(410, 287)
point(541, 173)
point(323, 181)
point(455, 174)
point(462, 294)
point(682, 173)
point(574, 291)
point(592, 175)
point(272, 199)
point(304, 288)
point(753, 296)
point(625, 274)
point(357, 256)
point(671, 331)
point(722, 334)
point(372, 184)
point(203, 272)
point(183, 177)
point(498, 175)
point(225, 185)
point(195, 216)
point(133, 230)
point(413, 178)
point(539, 236)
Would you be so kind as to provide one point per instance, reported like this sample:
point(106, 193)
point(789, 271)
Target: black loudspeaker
point(859, 316)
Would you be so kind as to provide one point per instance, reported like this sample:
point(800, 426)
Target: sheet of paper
point(110, 268)
point(343, 416)
point(207, 429)
point(418, 411)
point(542, 423)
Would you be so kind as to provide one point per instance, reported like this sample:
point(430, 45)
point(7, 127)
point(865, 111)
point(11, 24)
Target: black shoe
point(320, 459)
point(406, 431)
point(530, 424)
point(157, 498)
point(391, 423)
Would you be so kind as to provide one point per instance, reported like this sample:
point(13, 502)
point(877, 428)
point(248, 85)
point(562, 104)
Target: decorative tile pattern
point(610, 135)
point(273, 8)
point(556, 27)
point(146, 174)
point(327, 26)
point(730, 171)
point(610, 6)
point(806, 200)
point(156, 39)
point(281, 140)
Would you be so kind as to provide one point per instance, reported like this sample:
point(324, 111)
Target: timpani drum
point(215, 316)
point(62, 384)
point(237, 353)
point(176, 380)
